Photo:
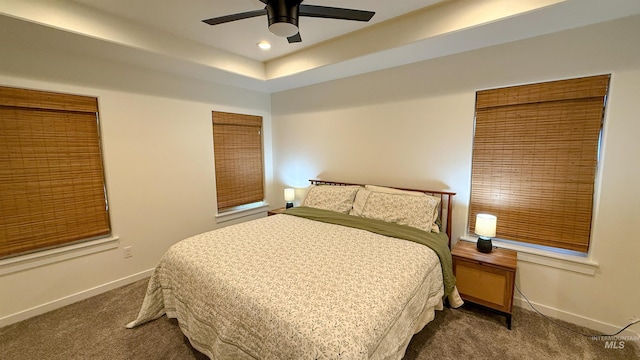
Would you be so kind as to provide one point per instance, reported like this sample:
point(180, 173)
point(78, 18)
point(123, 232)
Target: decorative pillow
point(333, 198)
point(409, 208)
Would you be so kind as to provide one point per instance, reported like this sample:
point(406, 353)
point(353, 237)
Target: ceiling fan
point(283, 16)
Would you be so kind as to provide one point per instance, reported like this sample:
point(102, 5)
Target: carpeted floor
point(94, 329)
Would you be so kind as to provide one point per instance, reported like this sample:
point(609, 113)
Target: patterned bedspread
point(286, 287)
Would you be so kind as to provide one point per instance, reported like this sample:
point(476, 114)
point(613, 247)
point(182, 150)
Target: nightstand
point(485, 279)
point(275, 211)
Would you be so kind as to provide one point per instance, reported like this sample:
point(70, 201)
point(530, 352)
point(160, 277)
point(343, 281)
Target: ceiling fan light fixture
point(283, 29)
point(283, 17)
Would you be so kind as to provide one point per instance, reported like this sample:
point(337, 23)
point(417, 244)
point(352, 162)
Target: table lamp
point(289, 196)
point(486, 229)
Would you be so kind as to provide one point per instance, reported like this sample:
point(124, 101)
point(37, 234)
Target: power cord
point(568, 328)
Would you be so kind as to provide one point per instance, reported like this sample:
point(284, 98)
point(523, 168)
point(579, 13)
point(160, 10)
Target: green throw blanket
point(437, 242)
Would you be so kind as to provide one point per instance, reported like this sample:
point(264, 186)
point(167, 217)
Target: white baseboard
point(599, 326)
point(67, 300)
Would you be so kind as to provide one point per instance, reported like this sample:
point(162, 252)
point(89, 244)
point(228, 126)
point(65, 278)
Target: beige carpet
point(94, 329)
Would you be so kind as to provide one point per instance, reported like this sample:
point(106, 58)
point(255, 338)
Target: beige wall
point(158, 154)
point(412, 126)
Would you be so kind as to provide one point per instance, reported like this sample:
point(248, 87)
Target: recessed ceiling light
point(264, 45)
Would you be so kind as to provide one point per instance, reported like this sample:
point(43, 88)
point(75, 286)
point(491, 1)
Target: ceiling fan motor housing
point(283, 17)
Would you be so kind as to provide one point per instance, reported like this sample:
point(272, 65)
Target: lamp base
point(289, 205)
point(484, 245)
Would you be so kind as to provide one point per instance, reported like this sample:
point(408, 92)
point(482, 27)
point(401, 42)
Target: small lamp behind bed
point(486, 229)
point(289, 196)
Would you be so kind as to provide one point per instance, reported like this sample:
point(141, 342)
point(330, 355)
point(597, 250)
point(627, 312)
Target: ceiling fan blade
point(335, 13)
point(294, 39)
point(234, 17)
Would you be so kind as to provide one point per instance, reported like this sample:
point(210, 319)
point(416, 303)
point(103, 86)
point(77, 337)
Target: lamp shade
point(486, 225)
point(289, 195)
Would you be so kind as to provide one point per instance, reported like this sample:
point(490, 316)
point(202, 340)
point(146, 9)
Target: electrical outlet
point(127, 252)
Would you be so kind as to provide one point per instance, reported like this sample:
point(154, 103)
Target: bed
point(353, 273)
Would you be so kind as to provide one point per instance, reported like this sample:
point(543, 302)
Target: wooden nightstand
point(485, 279)
point(275, 211)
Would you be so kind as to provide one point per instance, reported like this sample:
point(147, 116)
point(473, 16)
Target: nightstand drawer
point(484, 284)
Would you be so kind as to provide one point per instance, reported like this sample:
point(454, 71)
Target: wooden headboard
point(444, 210)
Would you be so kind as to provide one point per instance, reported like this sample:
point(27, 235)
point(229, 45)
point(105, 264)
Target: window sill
point(33, 260)
point(575, 263)
point(242, 211)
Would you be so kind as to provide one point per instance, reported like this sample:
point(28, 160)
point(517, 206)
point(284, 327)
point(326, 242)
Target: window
point(52, 189)
point(535, 156)
point(237, 147)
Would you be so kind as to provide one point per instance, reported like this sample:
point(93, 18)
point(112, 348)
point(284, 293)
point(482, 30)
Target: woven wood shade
point(52, 189)
point(237, 142)
point(534, 164)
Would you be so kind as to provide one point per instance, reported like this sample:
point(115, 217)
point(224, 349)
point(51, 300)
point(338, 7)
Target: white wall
point(412, 126)
point(158, 155)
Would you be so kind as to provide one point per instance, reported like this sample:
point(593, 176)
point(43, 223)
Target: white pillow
point(403, 207)
point(330, 197)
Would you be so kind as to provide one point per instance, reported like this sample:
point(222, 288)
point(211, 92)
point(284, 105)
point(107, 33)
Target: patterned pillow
point(333, 198)
point(413, 209)
point(435, 227)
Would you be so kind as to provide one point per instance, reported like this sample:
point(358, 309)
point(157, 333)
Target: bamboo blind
point(52, 189)
point(534, 161)
point(237, 142)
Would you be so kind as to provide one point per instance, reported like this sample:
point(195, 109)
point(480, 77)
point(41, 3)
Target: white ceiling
point(184, 18)
point(168, 35)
